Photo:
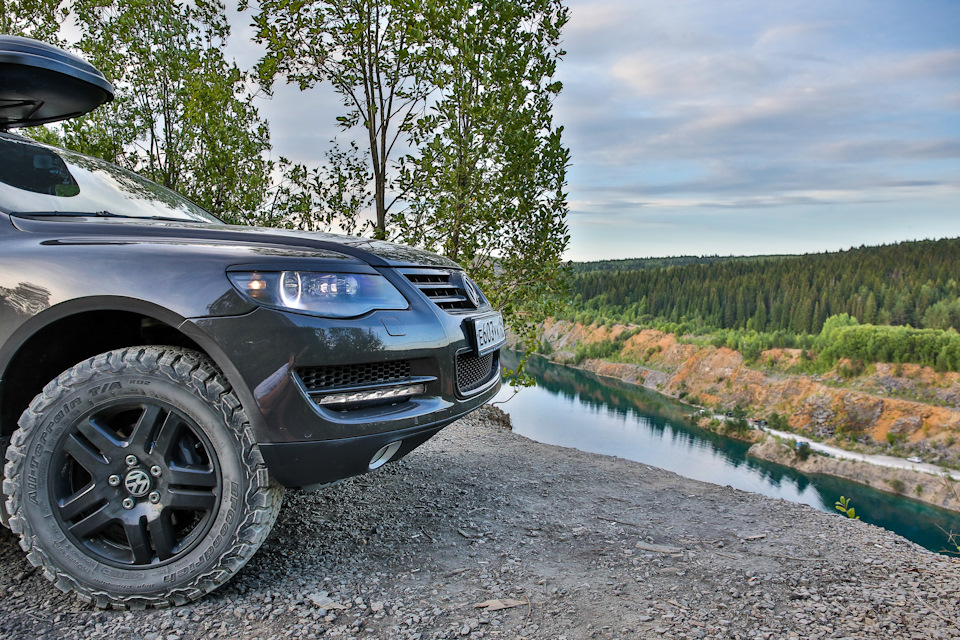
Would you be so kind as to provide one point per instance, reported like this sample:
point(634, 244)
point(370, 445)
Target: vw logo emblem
point(137, 483)
point(472, 291)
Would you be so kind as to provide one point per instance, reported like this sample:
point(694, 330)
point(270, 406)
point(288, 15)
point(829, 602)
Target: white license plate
point(488, 333)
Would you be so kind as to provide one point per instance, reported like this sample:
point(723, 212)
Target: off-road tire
point(236, 519)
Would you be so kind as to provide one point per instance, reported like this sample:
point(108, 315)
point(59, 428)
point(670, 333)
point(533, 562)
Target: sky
point(737, 127)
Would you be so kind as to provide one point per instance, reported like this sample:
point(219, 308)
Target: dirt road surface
point(571, 545)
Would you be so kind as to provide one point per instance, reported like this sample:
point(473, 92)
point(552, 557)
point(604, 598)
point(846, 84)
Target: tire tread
point(184, 367)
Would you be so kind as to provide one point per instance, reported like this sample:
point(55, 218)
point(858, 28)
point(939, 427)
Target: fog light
point(383, 456)
point(388, 393)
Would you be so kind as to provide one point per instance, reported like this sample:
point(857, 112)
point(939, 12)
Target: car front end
point(340, 396)
point(164, 375)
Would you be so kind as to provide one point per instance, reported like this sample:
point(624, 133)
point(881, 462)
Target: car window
point(36, 179)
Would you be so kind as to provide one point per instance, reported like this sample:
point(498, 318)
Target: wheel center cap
point(137, 483)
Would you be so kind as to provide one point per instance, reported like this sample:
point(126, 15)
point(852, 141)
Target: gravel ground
point(576, 545)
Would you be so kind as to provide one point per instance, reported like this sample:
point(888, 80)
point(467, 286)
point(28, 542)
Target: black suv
point(164, 375)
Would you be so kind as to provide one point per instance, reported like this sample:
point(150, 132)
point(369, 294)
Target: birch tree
point(370, 53)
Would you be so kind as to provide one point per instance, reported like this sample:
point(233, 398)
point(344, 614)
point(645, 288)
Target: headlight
point(333, 295)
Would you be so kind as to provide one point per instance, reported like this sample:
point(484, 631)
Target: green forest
point(890, 303)
point(632, 264)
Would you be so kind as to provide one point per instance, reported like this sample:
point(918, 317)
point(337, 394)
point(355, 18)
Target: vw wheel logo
point(473, 292)
point(137, 483)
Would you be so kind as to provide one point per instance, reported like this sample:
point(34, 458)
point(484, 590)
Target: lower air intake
point(354, 375)
point(475, 371)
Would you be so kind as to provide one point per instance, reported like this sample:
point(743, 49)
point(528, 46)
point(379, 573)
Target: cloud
point(691, 120)
point(691, 76)
point(796, 34)
point(875, 150)
point(942, 64)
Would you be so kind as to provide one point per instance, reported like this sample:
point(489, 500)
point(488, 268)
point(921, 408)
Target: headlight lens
point(332, 295)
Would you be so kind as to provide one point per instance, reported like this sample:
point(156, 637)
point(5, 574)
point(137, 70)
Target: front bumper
point(308, 464)
point(287, 362)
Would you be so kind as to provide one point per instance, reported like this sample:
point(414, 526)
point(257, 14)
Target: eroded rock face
point(932, 489)
point(818, 413)
point(857, 412)
point(916, 404)
point(906, 426)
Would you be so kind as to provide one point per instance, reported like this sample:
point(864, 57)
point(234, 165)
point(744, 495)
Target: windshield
point(40, 180)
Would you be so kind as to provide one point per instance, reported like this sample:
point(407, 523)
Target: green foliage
point(843, 506)
point(802, 451)
point(182, 115)
point(911, 283)
point(487, 186)
point(778, 422)
point(373, 54)
point(896, 484)
point(594, 350)
point(633, 264)
point(738, 422)
point(460, 155)
point(39, 19)
point(604, 349)
point(851, 369)
point(544, 347)
point(944, 314)
point(871, 343)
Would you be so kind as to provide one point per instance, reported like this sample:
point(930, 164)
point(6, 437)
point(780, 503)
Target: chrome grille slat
point(440, 287)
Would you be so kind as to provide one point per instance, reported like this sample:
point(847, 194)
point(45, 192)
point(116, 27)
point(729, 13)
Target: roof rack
point(41, 83)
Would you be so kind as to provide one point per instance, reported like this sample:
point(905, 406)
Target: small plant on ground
point(953, 541)
point(737, 423)
point(843, 506)
point(896, 484)
point(776, 421)
point(893, 439)
point(544, 348)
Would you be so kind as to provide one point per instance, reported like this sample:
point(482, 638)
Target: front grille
point(354, 375)
point(443, 288)
point(475, 371)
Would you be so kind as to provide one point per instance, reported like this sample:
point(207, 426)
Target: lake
point(574, 408)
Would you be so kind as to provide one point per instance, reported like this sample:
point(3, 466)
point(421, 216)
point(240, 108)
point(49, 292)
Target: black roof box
point(41, 83)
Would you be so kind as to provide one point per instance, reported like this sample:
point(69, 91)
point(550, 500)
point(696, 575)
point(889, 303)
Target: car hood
point(377, 253)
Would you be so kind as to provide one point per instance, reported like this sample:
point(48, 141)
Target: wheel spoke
point(100, 437)
point(166, 437)
point(163, 535)
point(191, 500)
point(137, 538)
point(192, 477)
point(84, 499)
point(94, 463)
point(93, 523)
point(143, 430)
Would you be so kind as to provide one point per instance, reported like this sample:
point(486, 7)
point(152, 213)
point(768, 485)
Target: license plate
point(488, 333)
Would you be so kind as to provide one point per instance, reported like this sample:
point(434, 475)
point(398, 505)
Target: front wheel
point(134, 479)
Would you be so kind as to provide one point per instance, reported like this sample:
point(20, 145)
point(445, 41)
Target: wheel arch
point(65, 334)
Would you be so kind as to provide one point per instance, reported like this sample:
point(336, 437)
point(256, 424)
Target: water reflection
point(575, 409)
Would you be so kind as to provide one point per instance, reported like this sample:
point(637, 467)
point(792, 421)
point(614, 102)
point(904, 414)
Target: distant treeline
point(911, 283)
point(635, 264)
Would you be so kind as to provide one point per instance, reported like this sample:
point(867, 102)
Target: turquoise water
point(573, 408)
